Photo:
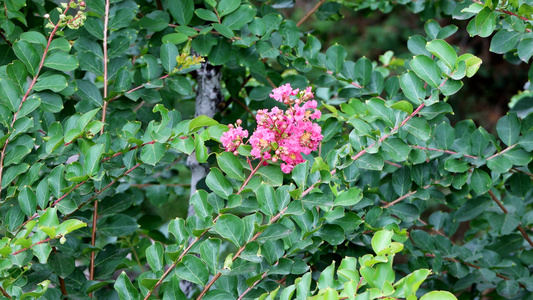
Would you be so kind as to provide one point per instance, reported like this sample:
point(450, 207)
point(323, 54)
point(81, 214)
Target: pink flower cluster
point(281, 134)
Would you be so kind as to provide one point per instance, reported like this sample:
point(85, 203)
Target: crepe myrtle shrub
point(341, 178)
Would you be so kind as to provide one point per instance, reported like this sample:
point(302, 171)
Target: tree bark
point(208, 98)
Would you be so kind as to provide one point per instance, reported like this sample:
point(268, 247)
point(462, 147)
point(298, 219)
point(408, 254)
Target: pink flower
point(283, 93)
point(286, 133)
point(232, 138)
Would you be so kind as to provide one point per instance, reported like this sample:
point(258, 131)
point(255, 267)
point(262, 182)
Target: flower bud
point(235, 152)
point(46, 16)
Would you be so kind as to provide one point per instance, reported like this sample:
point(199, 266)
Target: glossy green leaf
point(125, 289)
point(230, 227)
point(443, 51)
point(28, 55)
point(61, 61)
point(426, 69)
point(267, 199)
point(216, 181)
point(508, 128)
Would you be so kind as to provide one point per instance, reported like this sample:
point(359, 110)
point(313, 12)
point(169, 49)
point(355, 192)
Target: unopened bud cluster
point(282, 135)
point(71, 21)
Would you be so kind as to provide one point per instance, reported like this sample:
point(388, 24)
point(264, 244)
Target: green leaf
point(229, 163)
point(381, 241)
point(12, 173)
point(377, 108)
point(173, 290)
point(27, 201)
point(451, 87)
point(169, 52)
point(206, 14)
point(525, 49)
point(200, 122)
point(155, 21)
point(201, 205)
point(210, 251)
point(152, 153)
point(480, 181)
point(456, 166)
point(396, 148)
point(56, 83)
point(423, 240)
point(125, 289)
point(426, 69)
point(175, 38)
point(224, 30)
point(182, 11)
point(370, 162)
point(500, 164)
point(92, 159)
point(335, 58)
point(271, 175)
point(504, 41)
point(485, 22)
point(62, 264)
point(122, 18)
point(9, 94)
point(152, 69)
point(242, 16)
point(28, 55)
point(225, 7)
point(363, 71)
point(401, 181)
point(61, 61)
point(439, 295)
point(193, 269)
point(443, 51)
point(526, 141)
point(349, 197)
point(508, 129)
point(88, 91)
point(16, 154)
point(403, 106)
point(267, 199)
point(155, 256)
point(117, 225)
point(273, 232)
point(230, 227)
point(418, 127)
point(413, 87)
point(216, 181)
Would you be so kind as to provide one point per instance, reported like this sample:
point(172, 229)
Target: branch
point(38, 243)
point(502, 152)
point(5, 293)
point(309, 13)
point(104, 109)
point(445, 151)
point(30, 88)
point(410, 194)
point(522, 231)
point(362, 152)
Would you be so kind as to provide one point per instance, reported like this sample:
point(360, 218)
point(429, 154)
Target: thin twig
point(5, 39)
point(5, 293)
point(136, 88)
point(93, 243)
point(444, 151)
point(104, 108)
point(63, 287)
point(309, 13)
point(468, 264)
point(522, 171)
point(38, 243)
point(410, 194)
point(362, 152)
point(522, 231)
point(502, 152)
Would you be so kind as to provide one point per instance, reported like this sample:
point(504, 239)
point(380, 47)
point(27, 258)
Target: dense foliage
point(391, 201)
